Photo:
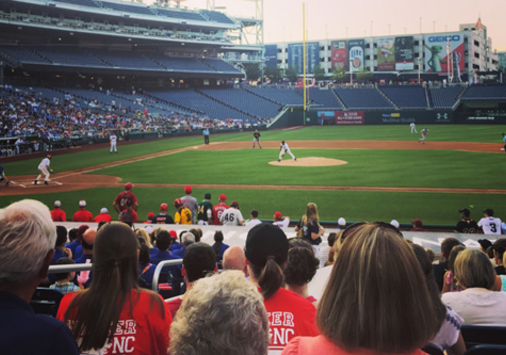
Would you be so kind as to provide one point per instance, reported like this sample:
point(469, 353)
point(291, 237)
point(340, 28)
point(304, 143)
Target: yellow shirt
point(183, 216)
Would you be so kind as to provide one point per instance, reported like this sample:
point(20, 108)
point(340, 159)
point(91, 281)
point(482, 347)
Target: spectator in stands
point(449, 338)
point(281, 221)
point(120, 201)
point(174, 245)
point(341, 223)
point(431, 255)
point(103, 216)
point(301, 266)
point(162, 243)
point(186, 240)
point(145, 236)
point(27, 238)
point(418, 226)
point(395, 223)
point(219, 247)
point(82, 215)
point(151, 216)
point(503, 277)
point(499, 248)
point(309, 228)
point(79, 249)
point(450, 283)
point(63, 280)
point(232, 216)
point(199, 261)
point(87, 242)
point(197, 232)
point(205, 210)
point(326, 252)
point(57, 214)
point(234, 259)
point(191, 203)
point(441, 268)
point(219, 209)
point(128, 215)
point(147, 269)
point(253, 219)
point(367, 309)
point(484, 245)
point(163, 217)
point(477, 303)
point(114, 301)
point(466, 224)
point(74, 243)
point(60, 250)
point(232, 308)
point(266, 252)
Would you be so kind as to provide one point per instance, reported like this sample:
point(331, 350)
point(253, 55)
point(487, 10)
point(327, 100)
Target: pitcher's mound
point(312, 161)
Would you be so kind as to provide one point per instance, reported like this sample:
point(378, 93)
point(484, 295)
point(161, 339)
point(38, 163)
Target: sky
point(353, 18)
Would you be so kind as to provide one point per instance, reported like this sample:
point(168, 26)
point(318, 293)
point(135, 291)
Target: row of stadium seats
point(205, 15)
point(76, 56)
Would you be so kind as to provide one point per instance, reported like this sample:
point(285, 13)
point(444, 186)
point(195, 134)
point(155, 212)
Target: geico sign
point(452, 38)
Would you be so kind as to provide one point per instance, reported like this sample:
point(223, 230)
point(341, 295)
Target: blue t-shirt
point(147, 271)
point(24, 332)
point(74, 246)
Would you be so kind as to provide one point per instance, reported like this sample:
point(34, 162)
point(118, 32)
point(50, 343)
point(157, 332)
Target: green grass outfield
point(388, 168)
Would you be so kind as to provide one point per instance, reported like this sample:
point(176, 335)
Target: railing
point(158, 271)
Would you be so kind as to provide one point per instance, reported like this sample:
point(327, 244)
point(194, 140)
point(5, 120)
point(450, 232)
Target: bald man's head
point(89, 239)
point(234, 259)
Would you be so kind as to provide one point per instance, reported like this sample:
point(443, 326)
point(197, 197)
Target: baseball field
point(384, 173)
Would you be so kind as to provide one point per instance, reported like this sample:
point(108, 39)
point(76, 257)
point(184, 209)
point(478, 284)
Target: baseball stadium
point(102, 96)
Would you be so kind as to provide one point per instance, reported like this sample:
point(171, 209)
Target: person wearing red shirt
point(219, 209)
point(58, 215)
point(104, 216)
point(128, 215)
point(132, 320)
point(82, 215)
point(290, 315)
point(120, 201)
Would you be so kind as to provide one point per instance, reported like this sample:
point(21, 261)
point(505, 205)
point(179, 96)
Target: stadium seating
point(245, 101)
point(217, 16)
point(487, 350)
point(186, 15)
point(219, 65)
point(325, 98)
point(21, 55)
point(46, 301)
point(362, 98)
point(408, 97)
point(483, 334)
point(179, 64)
point(445, 97)
point(68, 56)
point(140, 10)
point(128, 60)
point(283, 96)
point(89, 3)
point(485, 92)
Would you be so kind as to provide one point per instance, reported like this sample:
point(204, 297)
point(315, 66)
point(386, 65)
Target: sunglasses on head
point(351, 228)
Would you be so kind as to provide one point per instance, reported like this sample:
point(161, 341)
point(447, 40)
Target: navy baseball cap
point(489, 211)
point(465, 211)
point(266, 240)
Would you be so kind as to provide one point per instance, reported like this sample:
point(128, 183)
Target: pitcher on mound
point(283, 148)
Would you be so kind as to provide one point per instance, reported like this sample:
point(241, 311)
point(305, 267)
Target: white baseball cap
point(104, 210)
point(82, 203)
point(395, 223)
point(149, 229)
point(341, 221)
point(57, 203)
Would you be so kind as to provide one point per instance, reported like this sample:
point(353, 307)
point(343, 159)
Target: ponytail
point(271, 278)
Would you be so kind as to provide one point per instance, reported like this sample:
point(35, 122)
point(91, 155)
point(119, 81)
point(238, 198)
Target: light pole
point(419, 68)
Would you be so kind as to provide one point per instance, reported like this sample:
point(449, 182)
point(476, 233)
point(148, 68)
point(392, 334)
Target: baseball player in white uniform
point(424, 132)
point(44, 169)
point(283, 148)
point(489, 224)
point(113, 140)
point(232, 216)
point(413, 127)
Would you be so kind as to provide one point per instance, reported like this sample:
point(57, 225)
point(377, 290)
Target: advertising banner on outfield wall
point(436, 51)
point(356, 54)
point(271, 55)
point(296, 56)
point(349, 118)
point(404, 55)
point(407, 117)
point(386, 53)
point(339, 54)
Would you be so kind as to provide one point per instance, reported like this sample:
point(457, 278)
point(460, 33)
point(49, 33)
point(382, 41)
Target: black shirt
point(163, 219)
point(467, 226)
point(311, 227)
point(499, 270)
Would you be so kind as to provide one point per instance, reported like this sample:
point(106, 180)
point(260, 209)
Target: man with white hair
point(187, 239)
point(27, 239)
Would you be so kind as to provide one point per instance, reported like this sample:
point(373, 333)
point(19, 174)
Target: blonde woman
point(144, 235)
point(309, 227)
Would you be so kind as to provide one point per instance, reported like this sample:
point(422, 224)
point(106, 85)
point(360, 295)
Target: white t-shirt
point(231, 217)
point(113, 138)
point(284, 147)
point(490, 225)
point(253, 223)
point(44, 163)
point(412, 125)
point(284, 223)
point(449, 332)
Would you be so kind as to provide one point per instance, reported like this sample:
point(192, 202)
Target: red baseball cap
point(188, 189)
point(178, 203)
point(128, 186)
point(173, 234)
point(151, 215)
point(164, 207)
point(223, 197)
point(234, 204)
point(277, 215)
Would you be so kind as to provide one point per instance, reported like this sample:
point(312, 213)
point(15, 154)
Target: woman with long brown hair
point(113, 315)
point(309, 227)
